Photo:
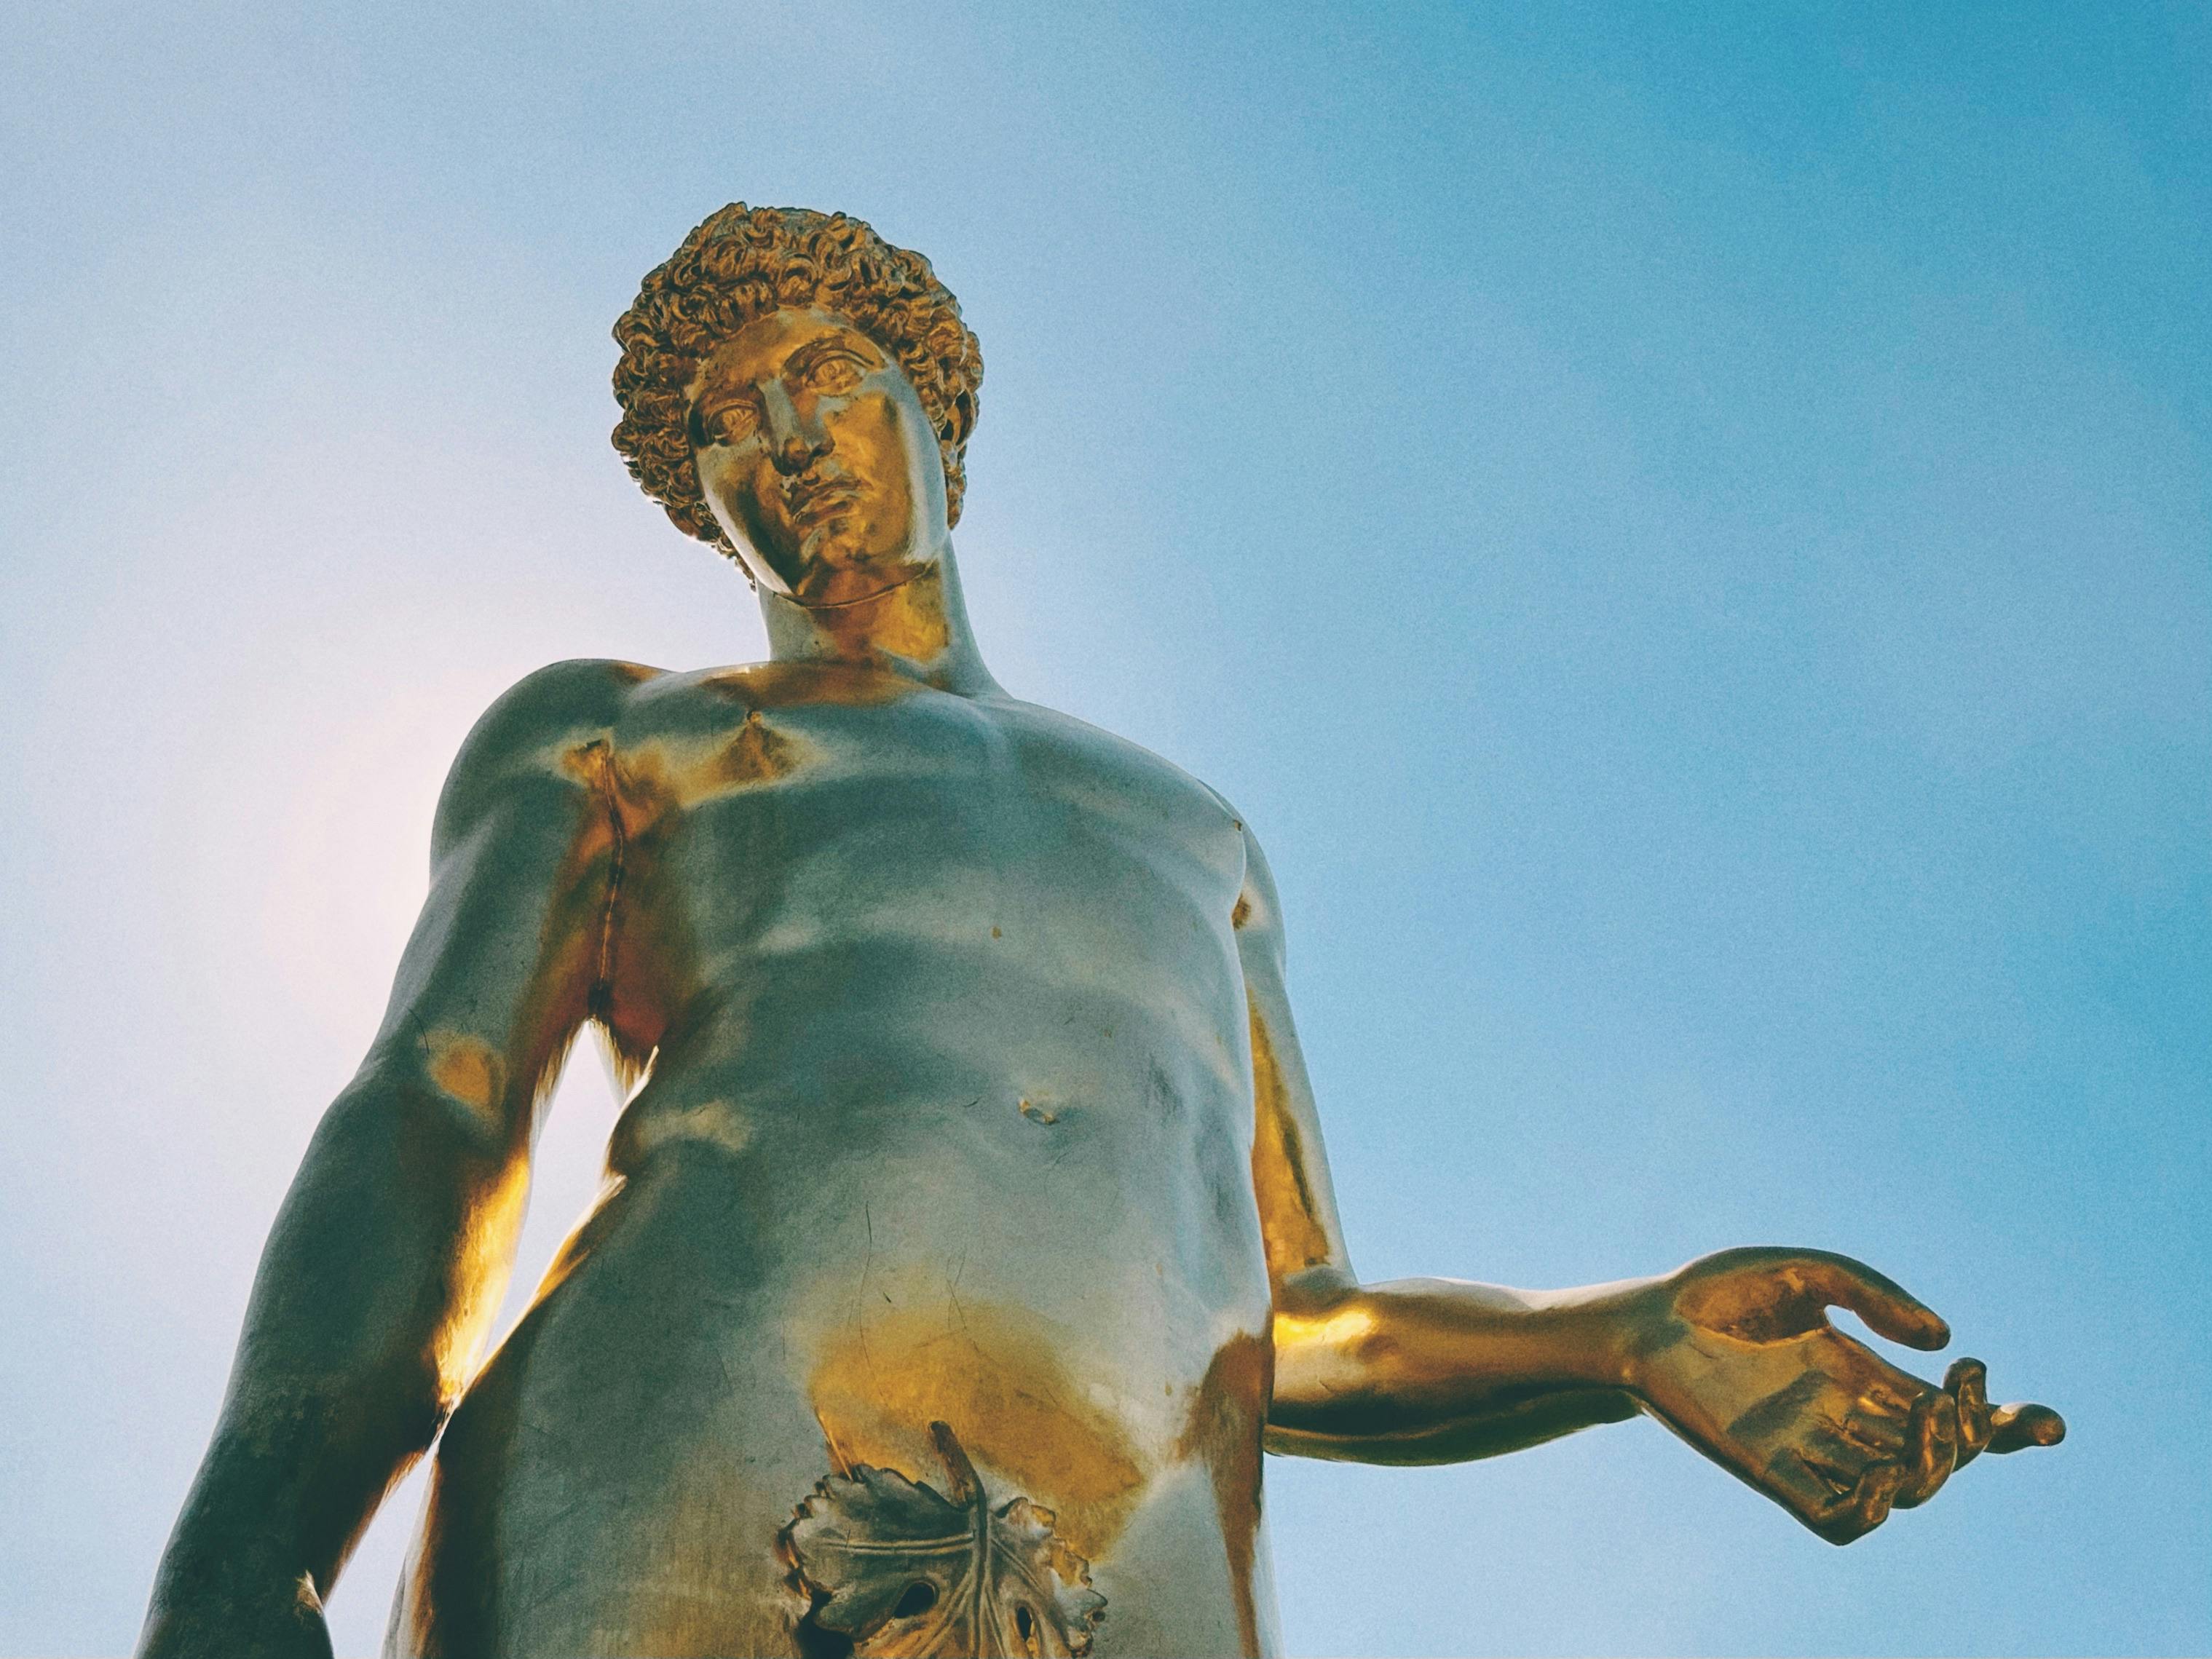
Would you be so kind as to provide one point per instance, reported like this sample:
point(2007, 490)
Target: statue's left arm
point(1734, 1352)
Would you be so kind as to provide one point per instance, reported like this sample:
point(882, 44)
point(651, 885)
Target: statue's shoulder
point(535, 729)
point(1126, 756)
point(556, 701)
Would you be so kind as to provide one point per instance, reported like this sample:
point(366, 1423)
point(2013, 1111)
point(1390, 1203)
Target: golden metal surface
point(971, 1231)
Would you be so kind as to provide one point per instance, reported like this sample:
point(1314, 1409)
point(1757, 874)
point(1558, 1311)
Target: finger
point(2015, 1428)
point(1931, 1449)
point(1875, 1435)
point(1888, 1307)
point(1889, 1392)
point(1817, 1491)
point(1867, 1507)
point(1968, 1383)
point(1837, 1459)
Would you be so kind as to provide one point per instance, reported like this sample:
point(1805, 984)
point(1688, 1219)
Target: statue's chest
point(927, 790)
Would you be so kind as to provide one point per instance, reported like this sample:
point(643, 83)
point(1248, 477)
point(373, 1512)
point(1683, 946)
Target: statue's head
point(797, 394)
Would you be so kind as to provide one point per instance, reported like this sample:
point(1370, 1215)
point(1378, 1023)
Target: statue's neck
point(919, 629)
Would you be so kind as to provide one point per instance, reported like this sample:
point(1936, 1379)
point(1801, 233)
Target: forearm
point(381, 1272)
point(1439, 1370)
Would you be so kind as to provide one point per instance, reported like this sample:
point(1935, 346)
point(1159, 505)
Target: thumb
point(2013, 1428)
point(1886, 1306)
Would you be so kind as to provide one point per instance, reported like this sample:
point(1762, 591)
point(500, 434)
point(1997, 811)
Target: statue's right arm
point(390, 1252)
point(1733, 1352)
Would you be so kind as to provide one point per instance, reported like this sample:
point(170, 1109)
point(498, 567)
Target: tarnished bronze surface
point(970, 1232)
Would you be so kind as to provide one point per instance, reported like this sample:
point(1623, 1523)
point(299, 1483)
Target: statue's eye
point(733, 424)
point(833, 375)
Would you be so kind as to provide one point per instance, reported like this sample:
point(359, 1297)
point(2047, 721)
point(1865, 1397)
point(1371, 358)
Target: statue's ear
point(959, 420)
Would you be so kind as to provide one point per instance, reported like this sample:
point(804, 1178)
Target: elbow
point(444, 1095)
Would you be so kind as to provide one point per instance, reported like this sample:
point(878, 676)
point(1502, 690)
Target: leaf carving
point(903, 1571)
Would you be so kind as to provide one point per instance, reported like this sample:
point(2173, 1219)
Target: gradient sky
point(1686, 529)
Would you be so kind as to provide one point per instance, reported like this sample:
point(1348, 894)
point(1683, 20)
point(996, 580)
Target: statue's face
point(816, 458)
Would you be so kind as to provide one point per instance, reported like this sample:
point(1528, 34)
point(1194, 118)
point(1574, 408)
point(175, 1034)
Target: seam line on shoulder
point(600, 1001)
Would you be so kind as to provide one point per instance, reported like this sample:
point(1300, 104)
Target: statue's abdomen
point(1061, 1266)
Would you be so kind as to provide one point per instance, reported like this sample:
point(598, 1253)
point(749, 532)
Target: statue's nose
point(793, 440)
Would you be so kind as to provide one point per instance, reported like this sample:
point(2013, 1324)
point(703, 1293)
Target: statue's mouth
point(811, 500)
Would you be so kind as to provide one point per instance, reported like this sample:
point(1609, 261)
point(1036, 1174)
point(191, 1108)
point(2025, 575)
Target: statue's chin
point(837, 566)
point(835, 587)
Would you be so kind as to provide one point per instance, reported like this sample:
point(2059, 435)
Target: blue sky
point(1688, 532)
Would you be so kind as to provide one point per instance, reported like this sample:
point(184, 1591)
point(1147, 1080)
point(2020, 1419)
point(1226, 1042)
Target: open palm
point(1736, 1355)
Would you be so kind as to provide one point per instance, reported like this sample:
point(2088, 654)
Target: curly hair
point(744, 262)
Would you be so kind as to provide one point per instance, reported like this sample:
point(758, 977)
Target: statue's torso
point(950, 1122)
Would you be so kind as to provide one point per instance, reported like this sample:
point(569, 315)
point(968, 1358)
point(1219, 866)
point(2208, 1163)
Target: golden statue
point(970, 1234)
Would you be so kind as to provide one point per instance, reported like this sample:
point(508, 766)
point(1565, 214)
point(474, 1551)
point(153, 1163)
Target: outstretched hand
point(1734, 1353)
